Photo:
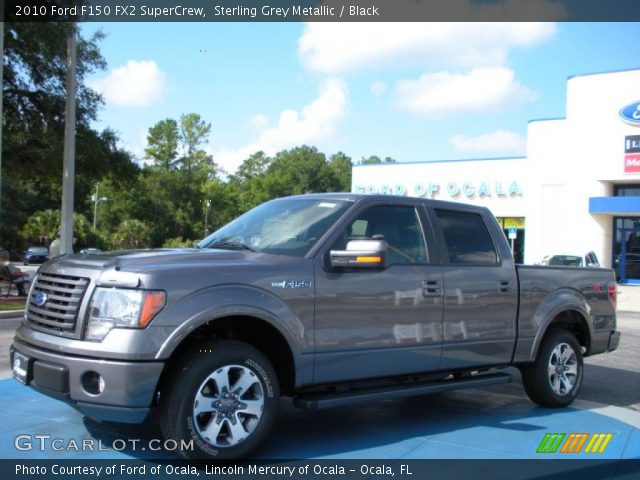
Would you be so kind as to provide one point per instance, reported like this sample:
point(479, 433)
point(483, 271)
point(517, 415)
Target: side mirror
point(360, 254)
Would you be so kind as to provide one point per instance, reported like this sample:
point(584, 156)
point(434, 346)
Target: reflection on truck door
point(480, 293)
point(380, 322)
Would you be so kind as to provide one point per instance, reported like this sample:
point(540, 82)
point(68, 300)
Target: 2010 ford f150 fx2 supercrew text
point(326, 298)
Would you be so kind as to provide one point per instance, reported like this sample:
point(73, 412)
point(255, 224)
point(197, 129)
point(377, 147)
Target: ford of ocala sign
point(631, 113)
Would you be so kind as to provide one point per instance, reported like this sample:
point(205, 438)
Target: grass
point(11, 306)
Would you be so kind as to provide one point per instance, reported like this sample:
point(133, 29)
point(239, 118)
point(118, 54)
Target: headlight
point(123, 308)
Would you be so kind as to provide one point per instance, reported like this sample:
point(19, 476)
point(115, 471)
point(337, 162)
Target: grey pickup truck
point(326, 298)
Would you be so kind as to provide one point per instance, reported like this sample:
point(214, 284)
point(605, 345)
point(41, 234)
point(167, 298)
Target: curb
point(12, 314)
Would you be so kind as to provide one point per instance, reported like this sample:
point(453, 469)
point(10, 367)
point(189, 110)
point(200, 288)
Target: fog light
point(93, 383)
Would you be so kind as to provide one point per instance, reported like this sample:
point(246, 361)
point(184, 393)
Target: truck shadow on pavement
point(619, 387)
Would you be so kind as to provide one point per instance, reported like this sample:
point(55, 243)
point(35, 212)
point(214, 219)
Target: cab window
point(399, 226)
point(467, 238)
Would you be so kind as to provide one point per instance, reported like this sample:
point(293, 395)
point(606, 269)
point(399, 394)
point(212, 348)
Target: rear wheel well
point(250, 330)
point(575, 323)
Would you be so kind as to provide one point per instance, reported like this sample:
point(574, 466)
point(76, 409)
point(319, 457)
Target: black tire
point(554, 379)
point(200, 376)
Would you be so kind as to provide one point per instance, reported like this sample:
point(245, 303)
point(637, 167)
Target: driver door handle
point(431, 288)
point(504, 288)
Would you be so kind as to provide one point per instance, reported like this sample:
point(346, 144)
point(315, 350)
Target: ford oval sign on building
point(631, 113)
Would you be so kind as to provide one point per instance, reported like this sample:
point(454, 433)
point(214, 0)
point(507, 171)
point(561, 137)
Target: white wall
point(583, 153)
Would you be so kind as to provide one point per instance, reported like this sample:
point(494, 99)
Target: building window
point(627, 191)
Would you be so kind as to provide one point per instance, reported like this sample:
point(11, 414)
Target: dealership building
point(576, 191)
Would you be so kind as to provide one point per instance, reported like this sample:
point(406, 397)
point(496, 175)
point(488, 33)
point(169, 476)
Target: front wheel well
point(250, 330)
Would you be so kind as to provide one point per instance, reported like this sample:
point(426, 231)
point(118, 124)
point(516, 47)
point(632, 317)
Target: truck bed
point(548, 291)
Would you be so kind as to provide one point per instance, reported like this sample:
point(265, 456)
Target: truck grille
point(59, 314)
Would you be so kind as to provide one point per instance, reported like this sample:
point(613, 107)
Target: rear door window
point(467, 238)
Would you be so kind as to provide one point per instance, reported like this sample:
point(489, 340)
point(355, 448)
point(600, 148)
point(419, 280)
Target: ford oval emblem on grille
point(39, 299)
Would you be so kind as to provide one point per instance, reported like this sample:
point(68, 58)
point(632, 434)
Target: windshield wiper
point(231, 246)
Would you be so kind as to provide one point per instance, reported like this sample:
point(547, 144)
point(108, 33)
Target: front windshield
point(288, 226)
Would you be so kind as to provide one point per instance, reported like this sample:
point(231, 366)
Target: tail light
point(612, 291)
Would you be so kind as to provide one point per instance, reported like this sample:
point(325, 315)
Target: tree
point(33, 125)
point(162, 143)
point(35, 58)
point(43, 226)
point(131, 234)
point(178, 242)
point(374, 160)
point(252, 167)
point(341, 166)
point(299, 170)
point(227, 201)
point(193, 132)
point(171, 146)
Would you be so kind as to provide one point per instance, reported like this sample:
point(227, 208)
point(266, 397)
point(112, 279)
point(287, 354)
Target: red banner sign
point(632, 163)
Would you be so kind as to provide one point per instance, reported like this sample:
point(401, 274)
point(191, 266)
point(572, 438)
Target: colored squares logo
point(598, 443)
point(574, 443)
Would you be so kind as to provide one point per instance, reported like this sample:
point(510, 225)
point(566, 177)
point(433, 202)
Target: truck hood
point(137, 260)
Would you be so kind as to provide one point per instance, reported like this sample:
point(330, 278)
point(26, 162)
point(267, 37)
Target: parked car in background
point(4, 255)
point(35, 255)
point(90, 250)
point(588, 260)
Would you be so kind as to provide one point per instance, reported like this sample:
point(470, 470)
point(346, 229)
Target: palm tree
point(131, 233)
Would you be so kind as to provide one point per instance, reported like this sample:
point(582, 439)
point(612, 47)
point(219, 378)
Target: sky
point(410, 91)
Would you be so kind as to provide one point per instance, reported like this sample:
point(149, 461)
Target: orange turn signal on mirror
point(368, 259)
point(153, 303)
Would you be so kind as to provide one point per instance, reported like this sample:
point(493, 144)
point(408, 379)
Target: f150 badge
point(292, 284)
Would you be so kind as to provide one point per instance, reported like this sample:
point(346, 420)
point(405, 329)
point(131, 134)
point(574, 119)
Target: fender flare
point(556, 303)
point(207, 305)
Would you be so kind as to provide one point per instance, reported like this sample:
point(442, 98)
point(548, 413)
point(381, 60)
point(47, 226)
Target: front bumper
point(128, 391)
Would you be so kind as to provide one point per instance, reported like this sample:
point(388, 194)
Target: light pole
point(96, 201)
point(207, 204)
point(69, 151)
point(1, 117)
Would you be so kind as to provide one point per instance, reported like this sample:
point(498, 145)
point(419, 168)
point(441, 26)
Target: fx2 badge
point(292, 284)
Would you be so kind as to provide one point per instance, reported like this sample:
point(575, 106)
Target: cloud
point(378, 88)
point(481, 90)
point(337, 48)
point(259, 121)
point(314, 123)
point(137, 84)
point(498, 142)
